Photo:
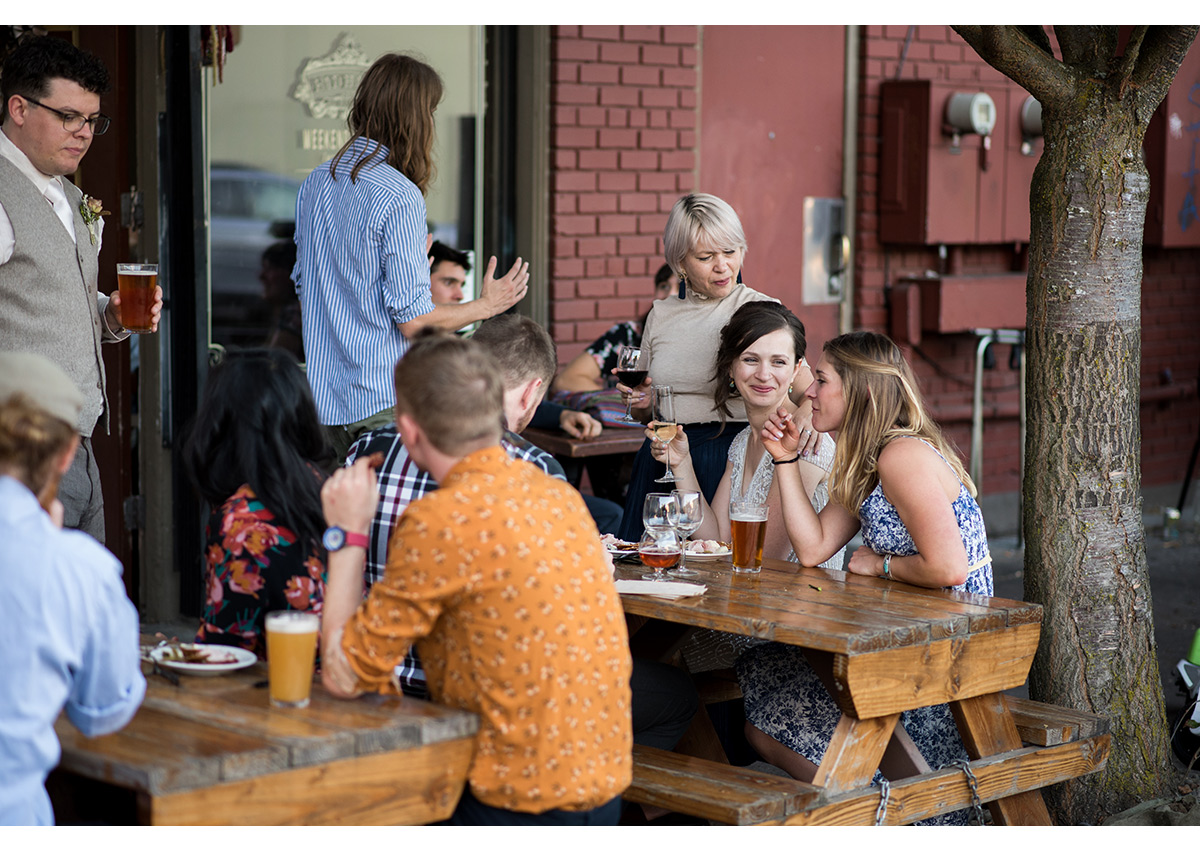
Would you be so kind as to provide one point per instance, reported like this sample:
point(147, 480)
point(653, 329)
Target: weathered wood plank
point(917, 798)
point(987, 729)
point(1046, 724)
point(874, 684)
point(159, 752)
point(402, 787)
point(723, 793)
point(854, 753)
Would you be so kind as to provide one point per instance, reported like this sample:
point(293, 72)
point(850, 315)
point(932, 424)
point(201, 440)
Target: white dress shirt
point(51, 187)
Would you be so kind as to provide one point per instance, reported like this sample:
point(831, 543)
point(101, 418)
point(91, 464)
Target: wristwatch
point(336, 537)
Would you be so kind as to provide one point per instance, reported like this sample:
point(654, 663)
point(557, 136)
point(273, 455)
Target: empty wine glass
point(631, 371)
point(660, 511)
point(690, 510)
point(658, 549)
point(664, 425)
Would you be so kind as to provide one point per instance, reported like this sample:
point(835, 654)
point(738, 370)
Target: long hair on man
point(393, 106)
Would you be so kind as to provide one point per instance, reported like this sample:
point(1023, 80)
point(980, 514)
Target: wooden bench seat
point(1046, 724)
point(1061, 744)
point(712, 790)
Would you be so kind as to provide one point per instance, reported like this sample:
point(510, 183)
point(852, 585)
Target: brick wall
point(945, 365)
point(623, 141)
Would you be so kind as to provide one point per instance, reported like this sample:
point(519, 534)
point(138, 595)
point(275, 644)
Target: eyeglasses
point(73, 122)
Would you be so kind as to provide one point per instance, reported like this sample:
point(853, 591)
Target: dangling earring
point(733, 391)
point(682, 285)
point(791, 389)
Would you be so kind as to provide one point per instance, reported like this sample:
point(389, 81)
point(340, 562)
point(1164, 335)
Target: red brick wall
point(622, 142)
point(945, 365)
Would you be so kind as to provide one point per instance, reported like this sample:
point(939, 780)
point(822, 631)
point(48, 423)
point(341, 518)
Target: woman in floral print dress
point(897, 480)
point(255, 453)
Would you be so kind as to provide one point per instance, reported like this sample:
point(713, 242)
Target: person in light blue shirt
point(362, 266)
point(68, 633)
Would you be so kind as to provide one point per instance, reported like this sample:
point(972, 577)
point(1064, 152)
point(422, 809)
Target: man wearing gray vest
point(50, 241)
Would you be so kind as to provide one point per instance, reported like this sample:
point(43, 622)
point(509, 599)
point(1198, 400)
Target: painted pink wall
point(786, 81)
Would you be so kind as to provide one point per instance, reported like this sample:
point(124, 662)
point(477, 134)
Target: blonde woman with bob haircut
point(898, 481)
point(704, 245)
point(362, 243)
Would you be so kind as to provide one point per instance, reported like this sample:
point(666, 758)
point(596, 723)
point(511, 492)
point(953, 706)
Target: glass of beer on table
point(136, 283)
point(291, 653)
point(748, 521)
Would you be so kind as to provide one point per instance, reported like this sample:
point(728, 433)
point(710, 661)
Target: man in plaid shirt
point(527, 359)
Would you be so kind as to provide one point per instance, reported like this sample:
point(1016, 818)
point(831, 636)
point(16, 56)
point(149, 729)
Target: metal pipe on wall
point(850, 176)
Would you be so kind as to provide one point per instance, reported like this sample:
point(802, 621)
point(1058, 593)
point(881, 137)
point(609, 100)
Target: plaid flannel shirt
point(400, 482)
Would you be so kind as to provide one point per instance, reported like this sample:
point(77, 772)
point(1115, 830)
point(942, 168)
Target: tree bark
point(1085, 557)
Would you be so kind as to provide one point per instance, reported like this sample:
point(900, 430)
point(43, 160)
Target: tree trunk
point(1085, 558)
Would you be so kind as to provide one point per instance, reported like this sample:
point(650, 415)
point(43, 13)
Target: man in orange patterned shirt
point(500, 578)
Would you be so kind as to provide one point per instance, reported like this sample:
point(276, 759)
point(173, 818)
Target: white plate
point(244, 659)
point(721, 553)
point(632, 551)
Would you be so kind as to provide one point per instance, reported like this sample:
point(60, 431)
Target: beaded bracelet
point(887, 566)
point(788, 461)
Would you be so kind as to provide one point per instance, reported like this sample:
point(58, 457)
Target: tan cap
point(43, 381)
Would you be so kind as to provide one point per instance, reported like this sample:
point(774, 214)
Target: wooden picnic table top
point(874, 628)
point(196, 753)
point(610, 441)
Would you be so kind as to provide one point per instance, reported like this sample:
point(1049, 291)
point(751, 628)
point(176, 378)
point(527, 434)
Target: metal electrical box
point(946, 176)
point(826, 250)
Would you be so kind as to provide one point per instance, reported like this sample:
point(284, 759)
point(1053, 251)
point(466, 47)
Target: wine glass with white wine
point(664, 425)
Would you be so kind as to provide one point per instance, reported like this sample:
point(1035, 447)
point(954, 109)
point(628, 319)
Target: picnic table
point(212, 750)
point(894, 647)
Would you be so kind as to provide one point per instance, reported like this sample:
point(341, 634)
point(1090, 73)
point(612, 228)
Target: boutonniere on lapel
point(91, 209)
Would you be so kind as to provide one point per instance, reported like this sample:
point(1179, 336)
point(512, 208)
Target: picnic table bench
point(894, 647)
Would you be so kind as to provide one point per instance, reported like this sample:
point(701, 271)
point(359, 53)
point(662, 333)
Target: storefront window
point(278, 113)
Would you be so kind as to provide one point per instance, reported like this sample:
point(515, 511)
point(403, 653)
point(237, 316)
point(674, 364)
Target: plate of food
point(698, 550)
point(616, 546)
point(202, 660)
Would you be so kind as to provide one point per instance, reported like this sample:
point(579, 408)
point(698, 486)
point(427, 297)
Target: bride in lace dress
point(760, 358)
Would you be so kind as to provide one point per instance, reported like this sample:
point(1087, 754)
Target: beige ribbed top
point(681, 337)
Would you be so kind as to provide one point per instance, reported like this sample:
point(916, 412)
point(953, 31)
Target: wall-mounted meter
point(973, 112)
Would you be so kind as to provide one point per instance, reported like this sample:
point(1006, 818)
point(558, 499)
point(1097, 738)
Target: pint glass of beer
point(136, 283)
point(291, 652)
point(748, 520)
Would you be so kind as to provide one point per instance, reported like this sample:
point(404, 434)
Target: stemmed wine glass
point(660, 511)
point(664, 425)
point(690, 511)
point(659, 547)
point(631, 371)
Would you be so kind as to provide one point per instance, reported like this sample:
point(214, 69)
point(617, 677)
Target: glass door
point(279, 111)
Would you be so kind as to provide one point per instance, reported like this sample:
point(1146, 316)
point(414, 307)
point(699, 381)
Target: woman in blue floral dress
point(897, 480)
point(255, 453)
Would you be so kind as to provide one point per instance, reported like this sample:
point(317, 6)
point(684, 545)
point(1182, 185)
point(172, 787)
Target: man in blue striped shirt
point(362, 271)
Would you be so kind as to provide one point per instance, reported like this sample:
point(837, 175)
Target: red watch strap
point(356, 539)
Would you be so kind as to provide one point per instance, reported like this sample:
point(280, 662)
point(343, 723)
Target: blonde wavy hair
point(883, 403)
point(31, 441)
point(393, 106)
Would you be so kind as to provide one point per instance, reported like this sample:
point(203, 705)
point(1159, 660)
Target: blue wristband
point(887, 566)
